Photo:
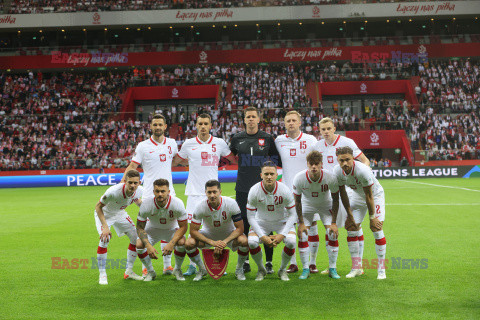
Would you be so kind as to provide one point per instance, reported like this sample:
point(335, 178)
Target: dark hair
point(159, 116)
point(269, 163)
point(132, 174)
point(205, 115)
point(161, 183)
point(213, 183)
point(250, 109)
point(344, 150)
point(314, 157)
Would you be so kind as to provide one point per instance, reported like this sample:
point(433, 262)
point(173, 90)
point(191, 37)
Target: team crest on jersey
point(315, 194)
point(204, 155)
point(261, 142)
point(216, 223)
point(163, 220)
point(271, 207)
point(330, 159)
point(163, 157)
point(293, 152)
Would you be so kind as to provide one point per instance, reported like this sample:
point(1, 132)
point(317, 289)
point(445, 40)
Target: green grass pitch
point(434, 219)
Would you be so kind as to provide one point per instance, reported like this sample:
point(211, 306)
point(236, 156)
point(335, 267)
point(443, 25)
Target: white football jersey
point(162, 217)
point(328, 150)
point(116, 200)
point(315, 194)
point(156, 161)
point(294, 154)
point(203, 159)
point(361, 176)
point(218, 219)
point(270, 206)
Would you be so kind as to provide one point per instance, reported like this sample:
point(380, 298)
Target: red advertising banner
point(400, 53)
point(368, 87)
point(363, 87)
point(383, 139)
point(166, 93)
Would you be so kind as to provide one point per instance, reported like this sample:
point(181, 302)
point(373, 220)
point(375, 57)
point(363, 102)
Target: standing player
point(267, 202)
point(222, 226)
point(202, 154)
point(155, 155)
point(312, 188)
point(167, 221)
point(293, 148)
point(110, 211)
point(252, 147)
point(328, 147)
point(368, 196)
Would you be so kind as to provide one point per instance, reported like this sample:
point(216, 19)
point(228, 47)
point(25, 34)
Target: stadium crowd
point(67, 120)
point(239, 74)
point(450, 85)
point(57, 6)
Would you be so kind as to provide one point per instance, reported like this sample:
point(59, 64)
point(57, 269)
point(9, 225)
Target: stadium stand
point(66, 120)
point(58, 6)
point(46, 48)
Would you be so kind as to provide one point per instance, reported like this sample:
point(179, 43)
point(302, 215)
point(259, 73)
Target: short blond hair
point(295, 113)
point(326, 120)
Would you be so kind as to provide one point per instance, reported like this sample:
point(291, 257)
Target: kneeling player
point(312, 195)
point(110, 211)
point(267, 201)
point(368, 195)
point(222, 226)
point(167, 221)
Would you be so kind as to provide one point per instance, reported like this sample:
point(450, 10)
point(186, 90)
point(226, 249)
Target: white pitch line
point(438, 185)
point(432, 204)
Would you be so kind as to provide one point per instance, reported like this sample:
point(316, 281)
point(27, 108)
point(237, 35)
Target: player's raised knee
point(140, 244)
point(190, 244)
point(290, 241)
point(181, 242)
point(242, 241)
point(253, 241)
